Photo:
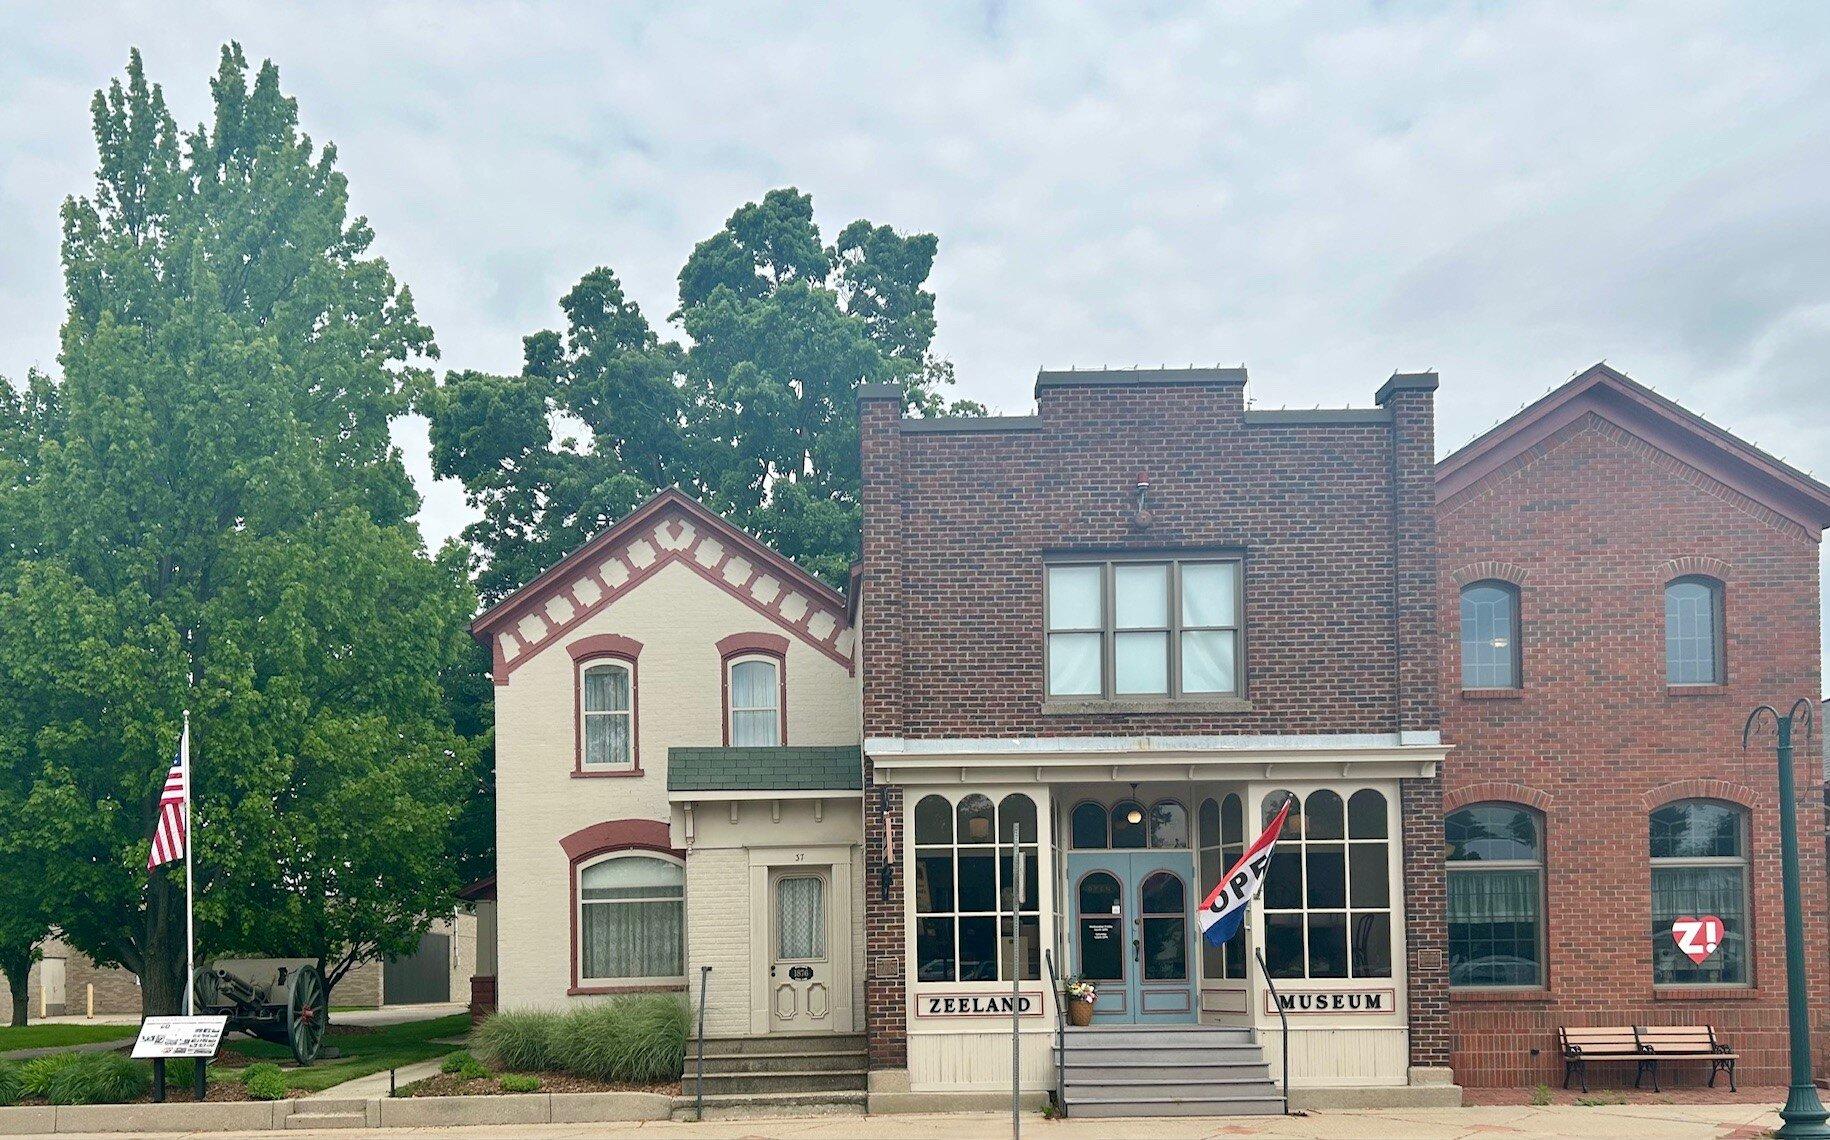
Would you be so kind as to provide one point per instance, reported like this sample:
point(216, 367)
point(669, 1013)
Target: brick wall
point(1595, 521)
point(957, 523)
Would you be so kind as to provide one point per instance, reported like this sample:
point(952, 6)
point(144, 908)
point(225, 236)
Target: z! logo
point(1697, 937)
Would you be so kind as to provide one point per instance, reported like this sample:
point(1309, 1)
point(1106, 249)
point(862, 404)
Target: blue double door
point(1133, 915)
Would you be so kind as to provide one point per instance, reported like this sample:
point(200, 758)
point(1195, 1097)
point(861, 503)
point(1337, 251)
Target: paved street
point(1514, 1122)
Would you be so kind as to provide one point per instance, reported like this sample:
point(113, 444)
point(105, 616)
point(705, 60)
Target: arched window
point(1699, 869)
point(1490, 636)
point(1693, 632)
point(1102, 927)
point(1128, 825)
point(753, 690)
point(1327, 896)
point(607, 715)
point(1496, 895)
point(1089, 827)
point(1222, 842)
point(1168, 824)
point(970, 924)
point(631, 920)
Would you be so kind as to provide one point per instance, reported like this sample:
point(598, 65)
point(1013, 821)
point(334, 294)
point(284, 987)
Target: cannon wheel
point(206, 991)
point(307, 1013)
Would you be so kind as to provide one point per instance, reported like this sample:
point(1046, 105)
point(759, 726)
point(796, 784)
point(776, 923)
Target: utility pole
point(1804, 1113)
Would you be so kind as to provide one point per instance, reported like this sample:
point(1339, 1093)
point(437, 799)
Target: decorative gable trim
point(670, 528)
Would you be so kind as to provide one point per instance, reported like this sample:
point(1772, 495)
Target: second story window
point(755, 696)
point(1490, 636)
point(1131, 629)
point(1693, 632)
point(609, 739)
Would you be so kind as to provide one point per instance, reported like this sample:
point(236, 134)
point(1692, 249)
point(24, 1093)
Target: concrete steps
point(329, 1112)
point(1166, 1071)
point(780, 1070)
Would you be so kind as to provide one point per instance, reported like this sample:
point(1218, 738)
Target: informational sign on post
point(180, 1036)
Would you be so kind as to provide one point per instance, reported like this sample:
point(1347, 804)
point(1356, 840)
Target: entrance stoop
point(1166, 1070)
point(780, 1070)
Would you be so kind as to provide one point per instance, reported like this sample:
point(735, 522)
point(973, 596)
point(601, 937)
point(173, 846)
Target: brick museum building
point(1086, 655)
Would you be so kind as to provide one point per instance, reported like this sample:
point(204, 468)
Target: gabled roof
point(782, 769)
point(1664, 424)
point(670, 527)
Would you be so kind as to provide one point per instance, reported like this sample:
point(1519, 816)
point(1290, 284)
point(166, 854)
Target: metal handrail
point(1284, 1020)
point(1054, 981)
point(705, 975)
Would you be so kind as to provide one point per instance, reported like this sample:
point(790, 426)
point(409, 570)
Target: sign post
point(1803, 1114)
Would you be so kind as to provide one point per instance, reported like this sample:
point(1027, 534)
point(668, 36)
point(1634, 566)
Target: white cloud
point(1503, 192)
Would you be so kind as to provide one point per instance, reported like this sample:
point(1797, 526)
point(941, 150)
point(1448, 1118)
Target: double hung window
point(1144, 629)
point(1496, 896)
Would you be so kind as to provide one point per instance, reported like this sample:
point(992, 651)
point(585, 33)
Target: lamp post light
point(1804, 1113)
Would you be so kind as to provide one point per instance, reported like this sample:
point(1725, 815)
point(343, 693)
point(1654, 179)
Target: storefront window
point(1496, 888)
point(1222, 839)
point(1327, 896)
point(970, 924)
point(1699, 869)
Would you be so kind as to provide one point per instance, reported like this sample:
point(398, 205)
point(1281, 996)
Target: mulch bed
point(1682, 1094)
point(450, 1084)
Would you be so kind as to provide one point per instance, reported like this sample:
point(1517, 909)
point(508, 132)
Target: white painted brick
point(511, 648)
point(532, 628)
point(821, 626)
point(614, 572)
point(559, 609)
point(709, 552)
point(641, 553)
point(587, 592)
point(766, 589)
point(737, 571)
point(793, 606)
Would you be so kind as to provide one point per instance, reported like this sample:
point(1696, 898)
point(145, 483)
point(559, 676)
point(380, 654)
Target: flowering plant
point(1079, 989)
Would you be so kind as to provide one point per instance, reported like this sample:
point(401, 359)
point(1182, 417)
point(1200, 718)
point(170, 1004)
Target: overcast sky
point(1326, 192)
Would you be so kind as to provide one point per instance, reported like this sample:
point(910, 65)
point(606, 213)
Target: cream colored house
point(678, 773)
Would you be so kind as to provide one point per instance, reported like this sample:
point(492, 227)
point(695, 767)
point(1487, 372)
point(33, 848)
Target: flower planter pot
point(1079, 1012)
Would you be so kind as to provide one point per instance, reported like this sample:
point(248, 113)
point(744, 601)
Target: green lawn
point(57, 1036)
point(388, 1047)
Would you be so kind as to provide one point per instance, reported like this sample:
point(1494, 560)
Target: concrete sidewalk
point(1515, 1122)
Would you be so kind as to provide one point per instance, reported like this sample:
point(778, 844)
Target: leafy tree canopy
point(755, 414)
point(205, 512)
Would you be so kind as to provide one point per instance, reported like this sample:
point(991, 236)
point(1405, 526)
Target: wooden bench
point(1645, 1046)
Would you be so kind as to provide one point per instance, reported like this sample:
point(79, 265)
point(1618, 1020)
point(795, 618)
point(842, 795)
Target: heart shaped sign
point(1698, 938)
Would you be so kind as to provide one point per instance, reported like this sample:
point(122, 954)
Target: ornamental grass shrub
point(520, 1083)
point(9, 1083)
point(264, 1080)
point(84, 1078)
point(636, 1038)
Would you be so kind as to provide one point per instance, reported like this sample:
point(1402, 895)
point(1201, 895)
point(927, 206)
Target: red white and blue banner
point(1224, 911)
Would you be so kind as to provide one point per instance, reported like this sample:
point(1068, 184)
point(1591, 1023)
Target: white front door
point(800, 963)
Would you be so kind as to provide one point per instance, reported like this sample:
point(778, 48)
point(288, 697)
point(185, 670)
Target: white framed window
point(1699, 868)
point(1490, 652)
point(631, 920)
point(1328, 894)
point(753, 688)
point(606, 714)
point(969, 923)
point(1129, 629)
point(1693, 632)
point(1222, 843)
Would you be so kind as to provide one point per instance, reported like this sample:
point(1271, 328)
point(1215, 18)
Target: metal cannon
point(291, 1007)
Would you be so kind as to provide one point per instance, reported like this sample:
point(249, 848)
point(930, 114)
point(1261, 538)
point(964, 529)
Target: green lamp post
point(1804, 1113)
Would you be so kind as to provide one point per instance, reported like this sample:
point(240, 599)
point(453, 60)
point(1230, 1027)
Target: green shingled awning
point(783, 769)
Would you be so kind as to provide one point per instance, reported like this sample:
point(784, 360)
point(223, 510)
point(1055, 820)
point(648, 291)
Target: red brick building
point(1620, 583)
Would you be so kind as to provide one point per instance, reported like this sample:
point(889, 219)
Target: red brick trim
point(588, 651)
point(1701, 565)
point(1496, 792)
point(740, 645)
point(604, 645)
point(1699, 790)
point(601, 839)
point(1489, 570)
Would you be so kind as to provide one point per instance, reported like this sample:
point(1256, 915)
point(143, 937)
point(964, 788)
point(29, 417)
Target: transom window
point(1128, 825)
point(1496, 896)
point(1222, 838)
point(1699, 868)
point(607, 714)
point(1144, 629)
point(1327, 896)
point(631, 919)
point(1490, 636)
point(969, 925)
point(755, 692)
point(1693, 632)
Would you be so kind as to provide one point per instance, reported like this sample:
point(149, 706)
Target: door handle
point(1137, 953)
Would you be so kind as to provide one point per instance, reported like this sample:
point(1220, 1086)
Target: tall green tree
point(758, 416)
point(211, 517)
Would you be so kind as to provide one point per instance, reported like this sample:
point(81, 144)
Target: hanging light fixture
point(1136, 814)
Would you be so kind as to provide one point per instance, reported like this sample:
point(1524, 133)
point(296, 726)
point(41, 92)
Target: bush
point(456, 1061)
point(637, 1038)
point(9, 1083)
point(518, 1039)
point(264, 1081)
point(520, 1082)
point(84, 1078)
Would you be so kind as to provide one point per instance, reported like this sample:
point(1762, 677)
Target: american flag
point(171, 836)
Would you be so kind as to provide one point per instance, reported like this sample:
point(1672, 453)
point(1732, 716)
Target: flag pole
point(190, 844)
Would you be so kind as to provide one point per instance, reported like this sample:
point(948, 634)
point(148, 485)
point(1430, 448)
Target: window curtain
point(1493, 896)
point(607, 715)
point(633, 925)
point(755, 693)
point(1680, 892)
point(800, 918)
